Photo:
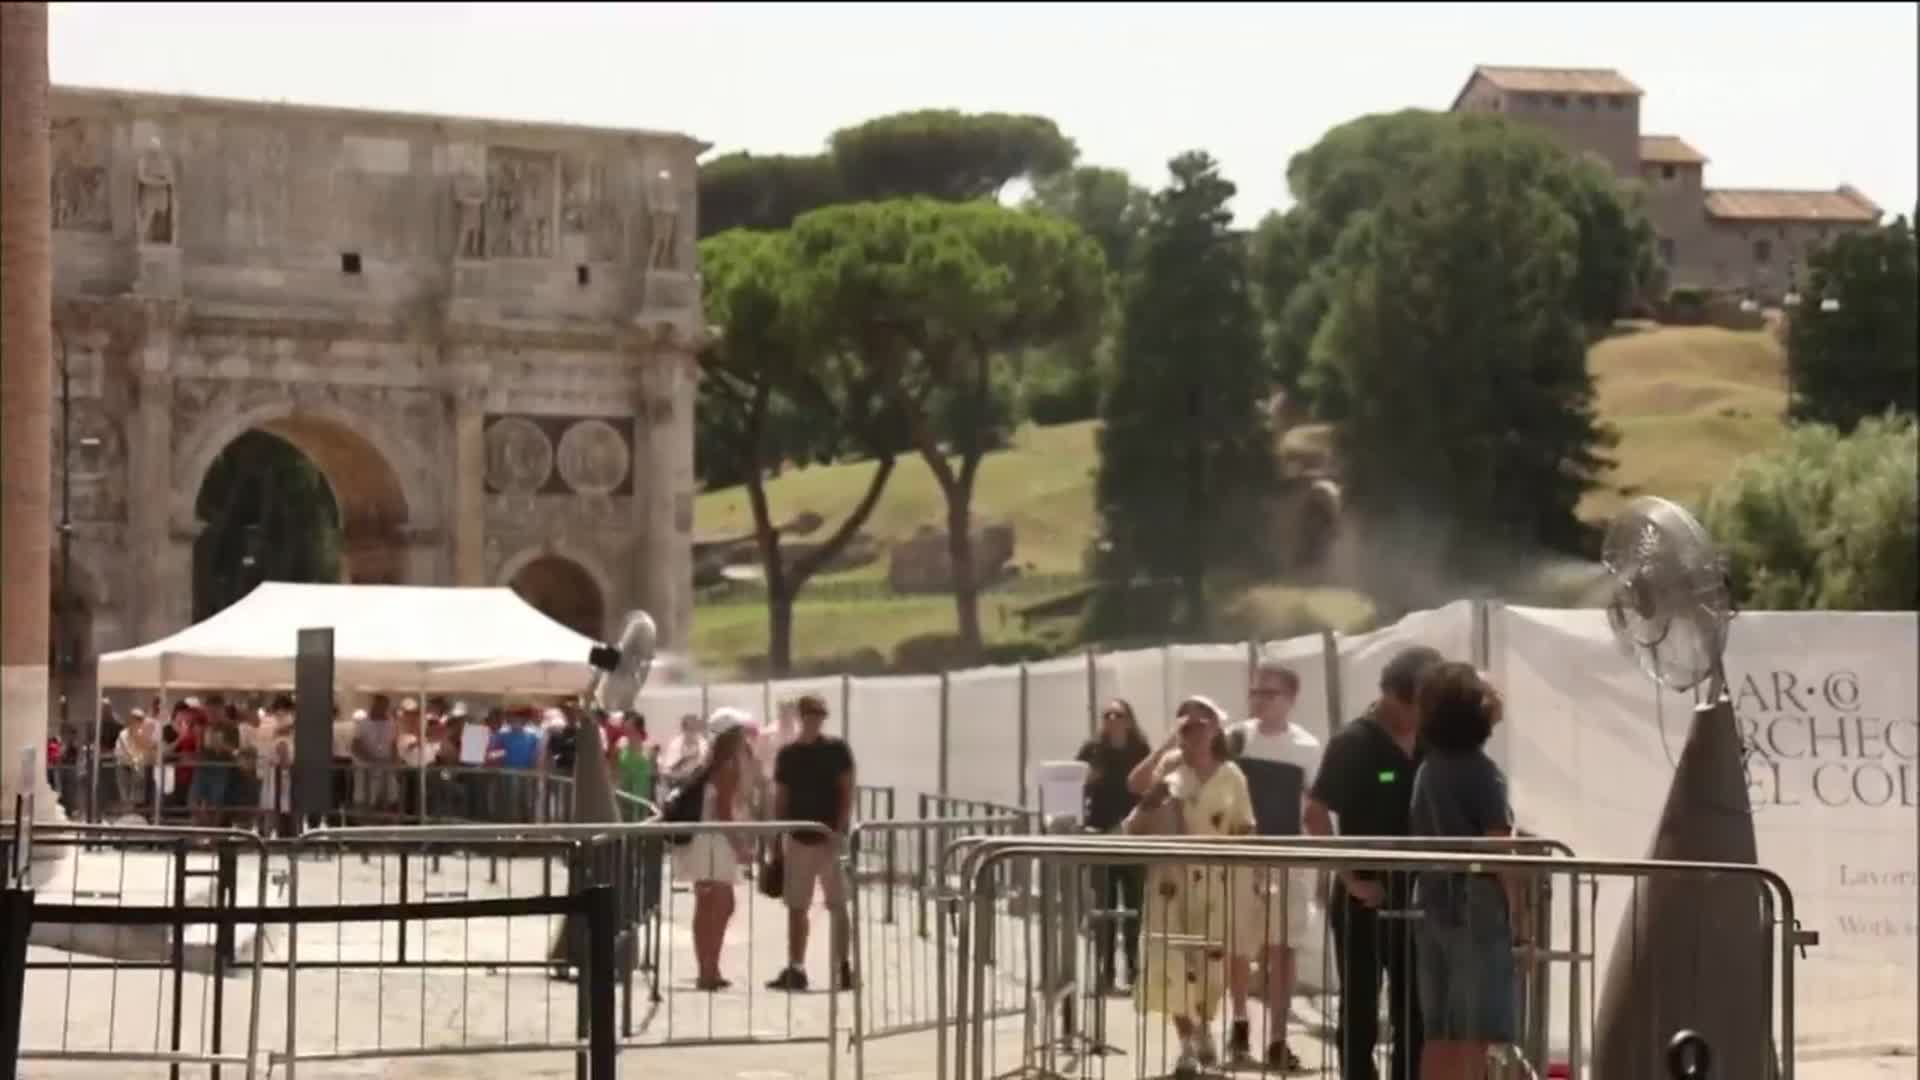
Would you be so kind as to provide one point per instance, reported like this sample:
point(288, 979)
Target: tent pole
point(420, 751)
point(160, 744)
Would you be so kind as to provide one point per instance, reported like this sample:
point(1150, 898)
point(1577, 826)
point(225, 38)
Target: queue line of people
point(214, 761)
point(1413, 764)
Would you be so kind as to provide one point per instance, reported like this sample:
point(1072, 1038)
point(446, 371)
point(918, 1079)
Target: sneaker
point(1185, 1067)
point(1282, 1059)
point(793, 980)
point(1239, 1047)
point(843, 982)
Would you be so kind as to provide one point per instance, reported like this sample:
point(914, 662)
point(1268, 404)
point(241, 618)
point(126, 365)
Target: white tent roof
point(396, 638)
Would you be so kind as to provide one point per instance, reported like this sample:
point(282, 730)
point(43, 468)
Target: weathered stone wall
point(402, 298)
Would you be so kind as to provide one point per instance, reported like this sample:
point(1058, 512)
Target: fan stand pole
point(1694, 952)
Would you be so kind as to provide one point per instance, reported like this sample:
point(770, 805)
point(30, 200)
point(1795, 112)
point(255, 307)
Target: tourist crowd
point(1413, 765)
point(213, 760)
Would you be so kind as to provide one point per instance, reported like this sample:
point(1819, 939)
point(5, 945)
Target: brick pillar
point(26, 396)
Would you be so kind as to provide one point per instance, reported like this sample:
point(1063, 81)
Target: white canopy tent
point(385, 638)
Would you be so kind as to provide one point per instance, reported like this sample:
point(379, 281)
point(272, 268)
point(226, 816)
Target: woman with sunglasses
point(1110, 758)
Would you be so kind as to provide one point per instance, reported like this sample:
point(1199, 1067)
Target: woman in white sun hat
point(710, 862)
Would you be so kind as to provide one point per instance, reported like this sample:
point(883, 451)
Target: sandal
point(712, 985)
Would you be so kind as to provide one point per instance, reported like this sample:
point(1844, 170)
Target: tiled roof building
point(1746, 241)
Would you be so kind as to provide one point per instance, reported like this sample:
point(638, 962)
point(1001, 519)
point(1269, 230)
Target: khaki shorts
point(1275, 907)
point(806, 865)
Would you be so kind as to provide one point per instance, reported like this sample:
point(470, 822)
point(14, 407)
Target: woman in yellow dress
point(1190, 788)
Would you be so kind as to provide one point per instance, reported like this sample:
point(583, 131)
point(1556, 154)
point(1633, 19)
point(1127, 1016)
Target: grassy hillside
point(1043, 484)
point(1687, 402)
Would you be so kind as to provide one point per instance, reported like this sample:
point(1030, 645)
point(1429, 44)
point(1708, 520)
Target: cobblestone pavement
point(749, 1032)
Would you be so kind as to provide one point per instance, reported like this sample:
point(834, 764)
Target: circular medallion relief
point(519, 456)
point(593, 457)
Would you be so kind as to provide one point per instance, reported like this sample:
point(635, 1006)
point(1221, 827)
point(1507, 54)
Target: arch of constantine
point(480, 332)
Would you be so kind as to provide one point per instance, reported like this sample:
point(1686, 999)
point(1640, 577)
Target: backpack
point(685, 805)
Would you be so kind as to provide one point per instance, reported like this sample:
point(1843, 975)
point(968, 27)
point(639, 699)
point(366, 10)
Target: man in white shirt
point(686, 751)
point(1279, 760)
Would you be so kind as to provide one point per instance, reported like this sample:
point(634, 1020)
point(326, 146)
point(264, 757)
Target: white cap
point(725, 719)
point(459, 710)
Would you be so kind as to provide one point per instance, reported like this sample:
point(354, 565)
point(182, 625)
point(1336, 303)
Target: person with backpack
point(709, 862)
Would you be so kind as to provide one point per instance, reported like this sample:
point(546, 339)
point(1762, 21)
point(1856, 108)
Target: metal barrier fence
point(221, 793)
point(1189, 967)
point(914, 960)
point(458, 940)
point(373, 986)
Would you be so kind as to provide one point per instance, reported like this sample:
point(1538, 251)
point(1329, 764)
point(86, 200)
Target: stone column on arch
point(467, 509)
point(26, 403)
point(663, 473)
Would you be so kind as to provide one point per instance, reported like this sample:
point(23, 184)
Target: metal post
point(1093, 697)
point(1330, 658)
point(63, 665)
point(1166, 682)
point(177, 955)
point(1021, 750)
point(846, 709)
point(945, 711)
point(293, 962)
point(16, 925)
point(402, 932)
point(602, 1044)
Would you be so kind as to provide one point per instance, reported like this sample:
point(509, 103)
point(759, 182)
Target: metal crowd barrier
point(358, 794)
point(903, 967)
point(1052, 1046)
point(149, 940)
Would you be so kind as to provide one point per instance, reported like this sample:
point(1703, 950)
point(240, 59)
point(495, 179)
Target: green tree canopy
point(946, 154)
point(1453, 337)
point(1357, 167)
point(765, 191)
point(1828, 521)
point(940, 295)
point(1185, 451)
point(778, 385)
point(1863, 357)
point(1105, 203)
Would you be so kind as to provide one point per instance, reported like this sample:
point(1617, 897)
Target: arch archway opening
point(298, 499)
point(563, 590)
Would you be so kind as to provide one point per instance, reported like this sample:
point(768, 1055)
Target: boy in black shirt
point(1366, 781)
point(813, 781)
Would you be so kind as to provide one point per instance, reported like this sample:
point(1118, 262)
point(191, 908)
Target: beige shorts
point(808, 864)
point(1276, 905)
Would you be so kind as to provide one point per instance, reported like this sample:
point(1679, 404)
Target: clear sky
point(1789, 95)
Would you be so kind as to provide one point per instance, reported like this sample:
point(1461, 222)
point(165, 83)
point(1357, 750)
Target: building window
point(1668, 172)
point(1666, 249)
point(1616, 102)
point(1559, 101)
point(1762, 251)
point(1589, 101)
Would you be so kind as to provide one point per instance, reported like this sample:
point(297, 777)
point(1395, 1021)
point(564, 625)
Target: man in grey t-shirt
point(374, 755)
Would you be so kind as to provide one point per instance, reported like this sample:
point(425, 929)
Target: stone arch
point(381, 501)
point(566, 585)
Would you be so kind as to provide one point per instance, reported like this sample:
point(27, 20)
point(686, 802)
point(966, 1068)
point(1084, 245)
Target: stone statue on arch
point(154, 200)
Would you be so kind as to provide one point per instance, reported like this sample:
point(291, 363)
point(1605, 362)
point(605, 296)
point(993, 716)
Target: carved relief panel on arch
point(521, 204)
point(82, 190)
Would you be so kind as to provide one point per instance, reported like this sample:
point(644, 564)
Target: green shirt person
point(635, 762)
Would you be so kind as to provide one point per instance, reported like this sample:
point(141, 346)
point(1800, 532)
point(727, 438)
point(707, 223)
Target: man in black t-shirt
point(813, 781)
point(1366, 782)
